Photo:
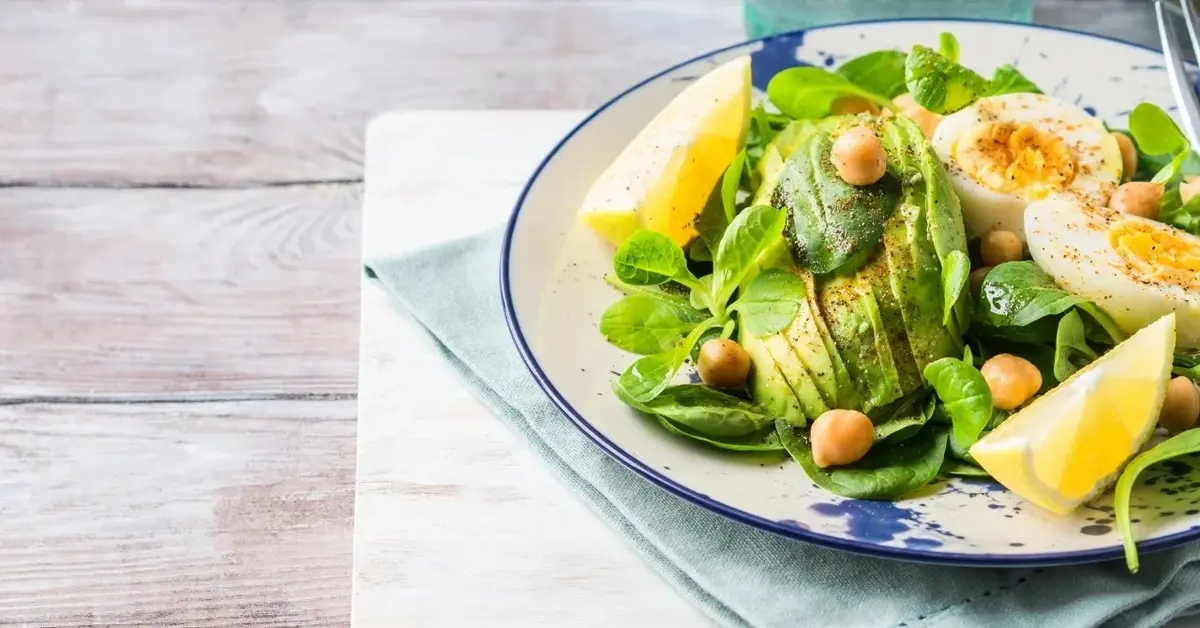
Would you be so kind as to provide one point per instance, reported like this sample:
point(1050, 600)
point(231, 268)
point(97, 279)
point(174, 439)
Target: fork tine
point(1189, 103)
point(1189, 18)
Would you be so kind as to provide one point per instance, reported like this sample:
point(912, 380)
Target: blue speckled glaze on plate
point(553, 293)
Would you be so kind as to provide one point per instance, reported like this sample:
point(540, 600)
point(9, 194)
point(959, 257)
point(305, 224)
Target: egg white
point(1094, 149)
point(1069, 240)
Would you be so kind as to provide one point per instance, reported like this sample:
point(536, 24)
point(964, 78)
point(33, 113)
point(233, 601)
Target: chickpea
point(723, 363)
point(999, 246)
point(926, 119)
point(1181, 406)
point(841, 437)
point(1012, 380)
point(1189, 189)
point(1129, 157)
point(977, 277)
point(859, 157)
point(1137, 198)
point(850, 105)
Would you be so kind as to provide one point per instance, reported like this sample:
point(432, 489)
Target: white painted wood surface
point(457, 522)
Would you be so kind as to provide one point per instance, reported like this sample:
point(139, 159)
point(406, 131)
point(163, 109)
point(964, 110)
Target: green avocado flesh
point(870, 324)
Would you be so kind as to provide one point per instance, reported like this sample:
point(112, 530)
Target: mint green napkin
point(739, 575)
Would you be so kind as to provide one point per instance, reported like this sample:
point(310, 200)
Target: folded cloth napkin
point(739, 575)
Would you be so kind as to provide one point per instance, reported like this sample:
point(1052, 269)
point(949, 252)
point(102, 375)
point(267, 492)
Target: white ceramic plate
point(551, 276)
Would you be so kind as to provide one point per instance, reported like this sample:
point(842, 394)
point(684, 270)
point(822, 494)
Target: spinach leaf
point(880, 72)
point(962, 469)
point(1071, 350)
point(1007, 80)
point(709, 334)
point(673, 294)
point(649, 376)
point(643, 324)
point(939, 84)
point(956, 269)
point(808, 92)
point(906, 421)
point(1155, 132)
point(1016, 298)
point(888, 471)
point(771, 301)
point(708, 411)
point(763, 441)
point(750, 233)
point(948, 46)
point(648, 258)
point(721, 206)
point(1174, 212)
point(965, 397)
point(829, 220)
point(1186, 443)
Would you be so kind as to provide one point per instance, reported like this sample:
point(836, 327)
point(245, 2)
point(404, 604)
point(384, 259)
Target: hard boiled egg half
point(1005, 152)
point(1135, 269)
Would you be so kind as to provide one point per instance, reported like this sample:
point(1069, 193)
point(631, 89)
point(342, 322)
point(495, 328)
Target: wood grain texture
point(228, 93)
point(179, 293)
point(173, 515)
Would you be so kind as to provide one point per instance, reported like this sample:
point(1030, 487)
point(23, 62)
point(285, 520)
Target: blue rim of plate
point(762, 523)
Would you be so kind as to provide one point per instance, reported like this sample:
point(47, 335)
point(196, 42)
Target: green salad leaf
point(1173, 211)
point(1018, 300)
point(888, 471)
point(708, 411)
point(1185, 443)
point(956, 270)
point(643, 324)
point(948, 46)
point(965, 397)
point(831, 220)
point(962, 469)
point(771, 301)
point(648, 258)
point(1155, 132)
point(939, 84)
point(1071, 350)
point(748, 235)
point(809, 92)
point(880, 72)
point(763, 441)
point(1007, 80)
point(646, 378)
point(721, 206)
point(906, 420)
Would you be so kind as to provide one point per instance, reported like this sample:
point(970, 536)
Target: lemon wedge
point(661, 180)
point(1069, 444)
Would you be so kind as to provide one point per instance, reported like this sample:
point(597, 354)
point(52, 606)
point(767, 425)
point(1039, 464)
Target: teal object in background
point(767, 17)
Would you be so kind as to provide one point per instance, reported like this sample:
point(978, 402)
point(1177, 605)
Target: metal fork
point(1181, 83)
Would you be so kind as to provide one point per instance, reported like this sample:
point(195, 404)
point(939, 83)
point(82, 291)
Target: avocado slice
point(913, 262)
point(845, 392)
point(797, 376)
point(852, 314)
point(879, 274)
point(768, 387)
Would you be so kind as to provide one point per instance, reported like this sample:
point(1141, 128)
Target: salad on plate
point(901, 269)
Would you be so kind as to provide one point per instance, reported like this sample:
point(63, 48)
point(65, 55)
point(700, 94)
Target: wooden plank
point(458, 523)
point(222, 514)
point(179, 293)
point(203, 93)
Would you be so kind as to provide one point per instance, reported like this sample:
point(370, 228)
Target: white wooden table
point(180, 184)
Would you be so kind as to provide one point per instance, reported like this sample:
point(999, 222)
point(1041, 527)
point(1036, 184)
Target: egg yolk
point(1157, 254)
point(1009, 157)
